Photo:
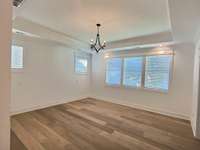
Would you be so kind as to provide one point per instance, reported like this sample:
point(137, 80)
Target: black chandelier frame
point(97, 46)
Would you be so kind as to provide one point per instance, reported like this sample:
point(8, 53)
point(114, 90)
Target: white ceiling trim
point(25, 26)
point(144, 46)
point(142, 41)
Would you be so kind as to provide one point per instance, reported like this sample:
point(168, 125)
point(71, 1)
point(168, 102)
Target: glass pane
point(133, 71)
point(113, 71)
point(157, 72)
point(17, 57)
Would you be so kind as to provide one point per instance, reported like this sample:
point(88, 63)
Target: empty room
point(99, 74)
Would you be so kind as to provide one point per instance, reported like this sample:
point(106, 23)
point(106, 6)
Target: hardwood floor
point(16, 144)
point(97, 125)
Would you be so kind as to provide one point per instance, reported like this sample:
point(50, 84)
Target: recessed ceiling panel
point(120, 19)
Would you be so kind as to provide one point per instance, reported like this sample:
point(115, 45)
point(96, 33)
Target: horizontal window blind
point(133, 71)
point(145, 71)
point(157, 72)
point(113, 71)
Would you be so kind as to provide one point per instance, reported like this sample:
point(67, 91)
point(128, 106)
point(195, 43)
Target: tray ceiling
point(121, 19)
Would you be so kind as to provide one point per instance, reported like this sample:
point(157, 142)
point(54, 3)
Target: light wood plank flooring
point(97, 125)
point(16, 144)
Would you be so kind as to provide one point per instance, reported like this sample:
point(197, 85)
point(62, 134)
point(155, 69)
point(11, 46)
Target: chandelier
point(97, 46)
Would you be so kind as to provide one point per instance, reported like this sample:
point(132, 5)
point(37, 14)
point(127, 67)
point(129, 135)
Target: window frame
point(142, 87)
point(81, 57)
point(23, 54)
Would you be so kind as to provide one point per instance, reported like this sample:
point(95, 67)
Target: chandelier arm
point(97, 50)
point(101, 48)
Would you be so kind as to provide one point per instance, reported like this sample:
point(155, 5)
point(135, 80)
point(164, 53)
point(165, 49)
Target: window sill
point(79, 73)
point(138, 88)
point(19, 70)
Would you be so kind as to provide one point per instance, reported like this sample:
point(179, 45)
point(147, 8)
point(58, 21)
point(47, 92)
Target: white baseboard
point(193, 125)
point(196, 132)
point(41, 106)
point(147, 108)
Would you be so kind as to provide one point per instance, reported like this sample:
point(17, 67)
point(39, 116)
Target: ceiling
point(121, 19)
point(185, 20)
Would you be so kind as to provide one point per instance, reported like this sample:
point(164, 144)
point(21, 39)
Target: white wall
point(195, 120)
point(48, 77)
point(177, 102)
point(5, 42)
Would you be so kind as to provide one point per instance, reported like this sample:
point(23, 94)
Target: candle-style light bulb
point(91, 41)
point(104, 43)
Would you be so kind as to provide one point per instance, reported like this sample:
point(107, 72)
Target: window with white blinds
point(157, 72)
point(113, 71)
point(133, 71)
point(147, 72)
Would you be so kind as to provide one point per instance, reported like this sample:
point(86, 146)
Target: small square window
point(81, 65)
point(17, 57)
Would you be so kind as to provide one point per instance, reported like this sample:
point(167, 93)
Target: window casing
point(17, 57)
point(139, 72)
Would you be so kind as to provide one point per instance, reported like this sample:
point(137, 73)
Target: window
point(17, 57)
point(113, 71)
point(147, 72)
point(157, 72)
point(133, 71)
point(81, 65)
